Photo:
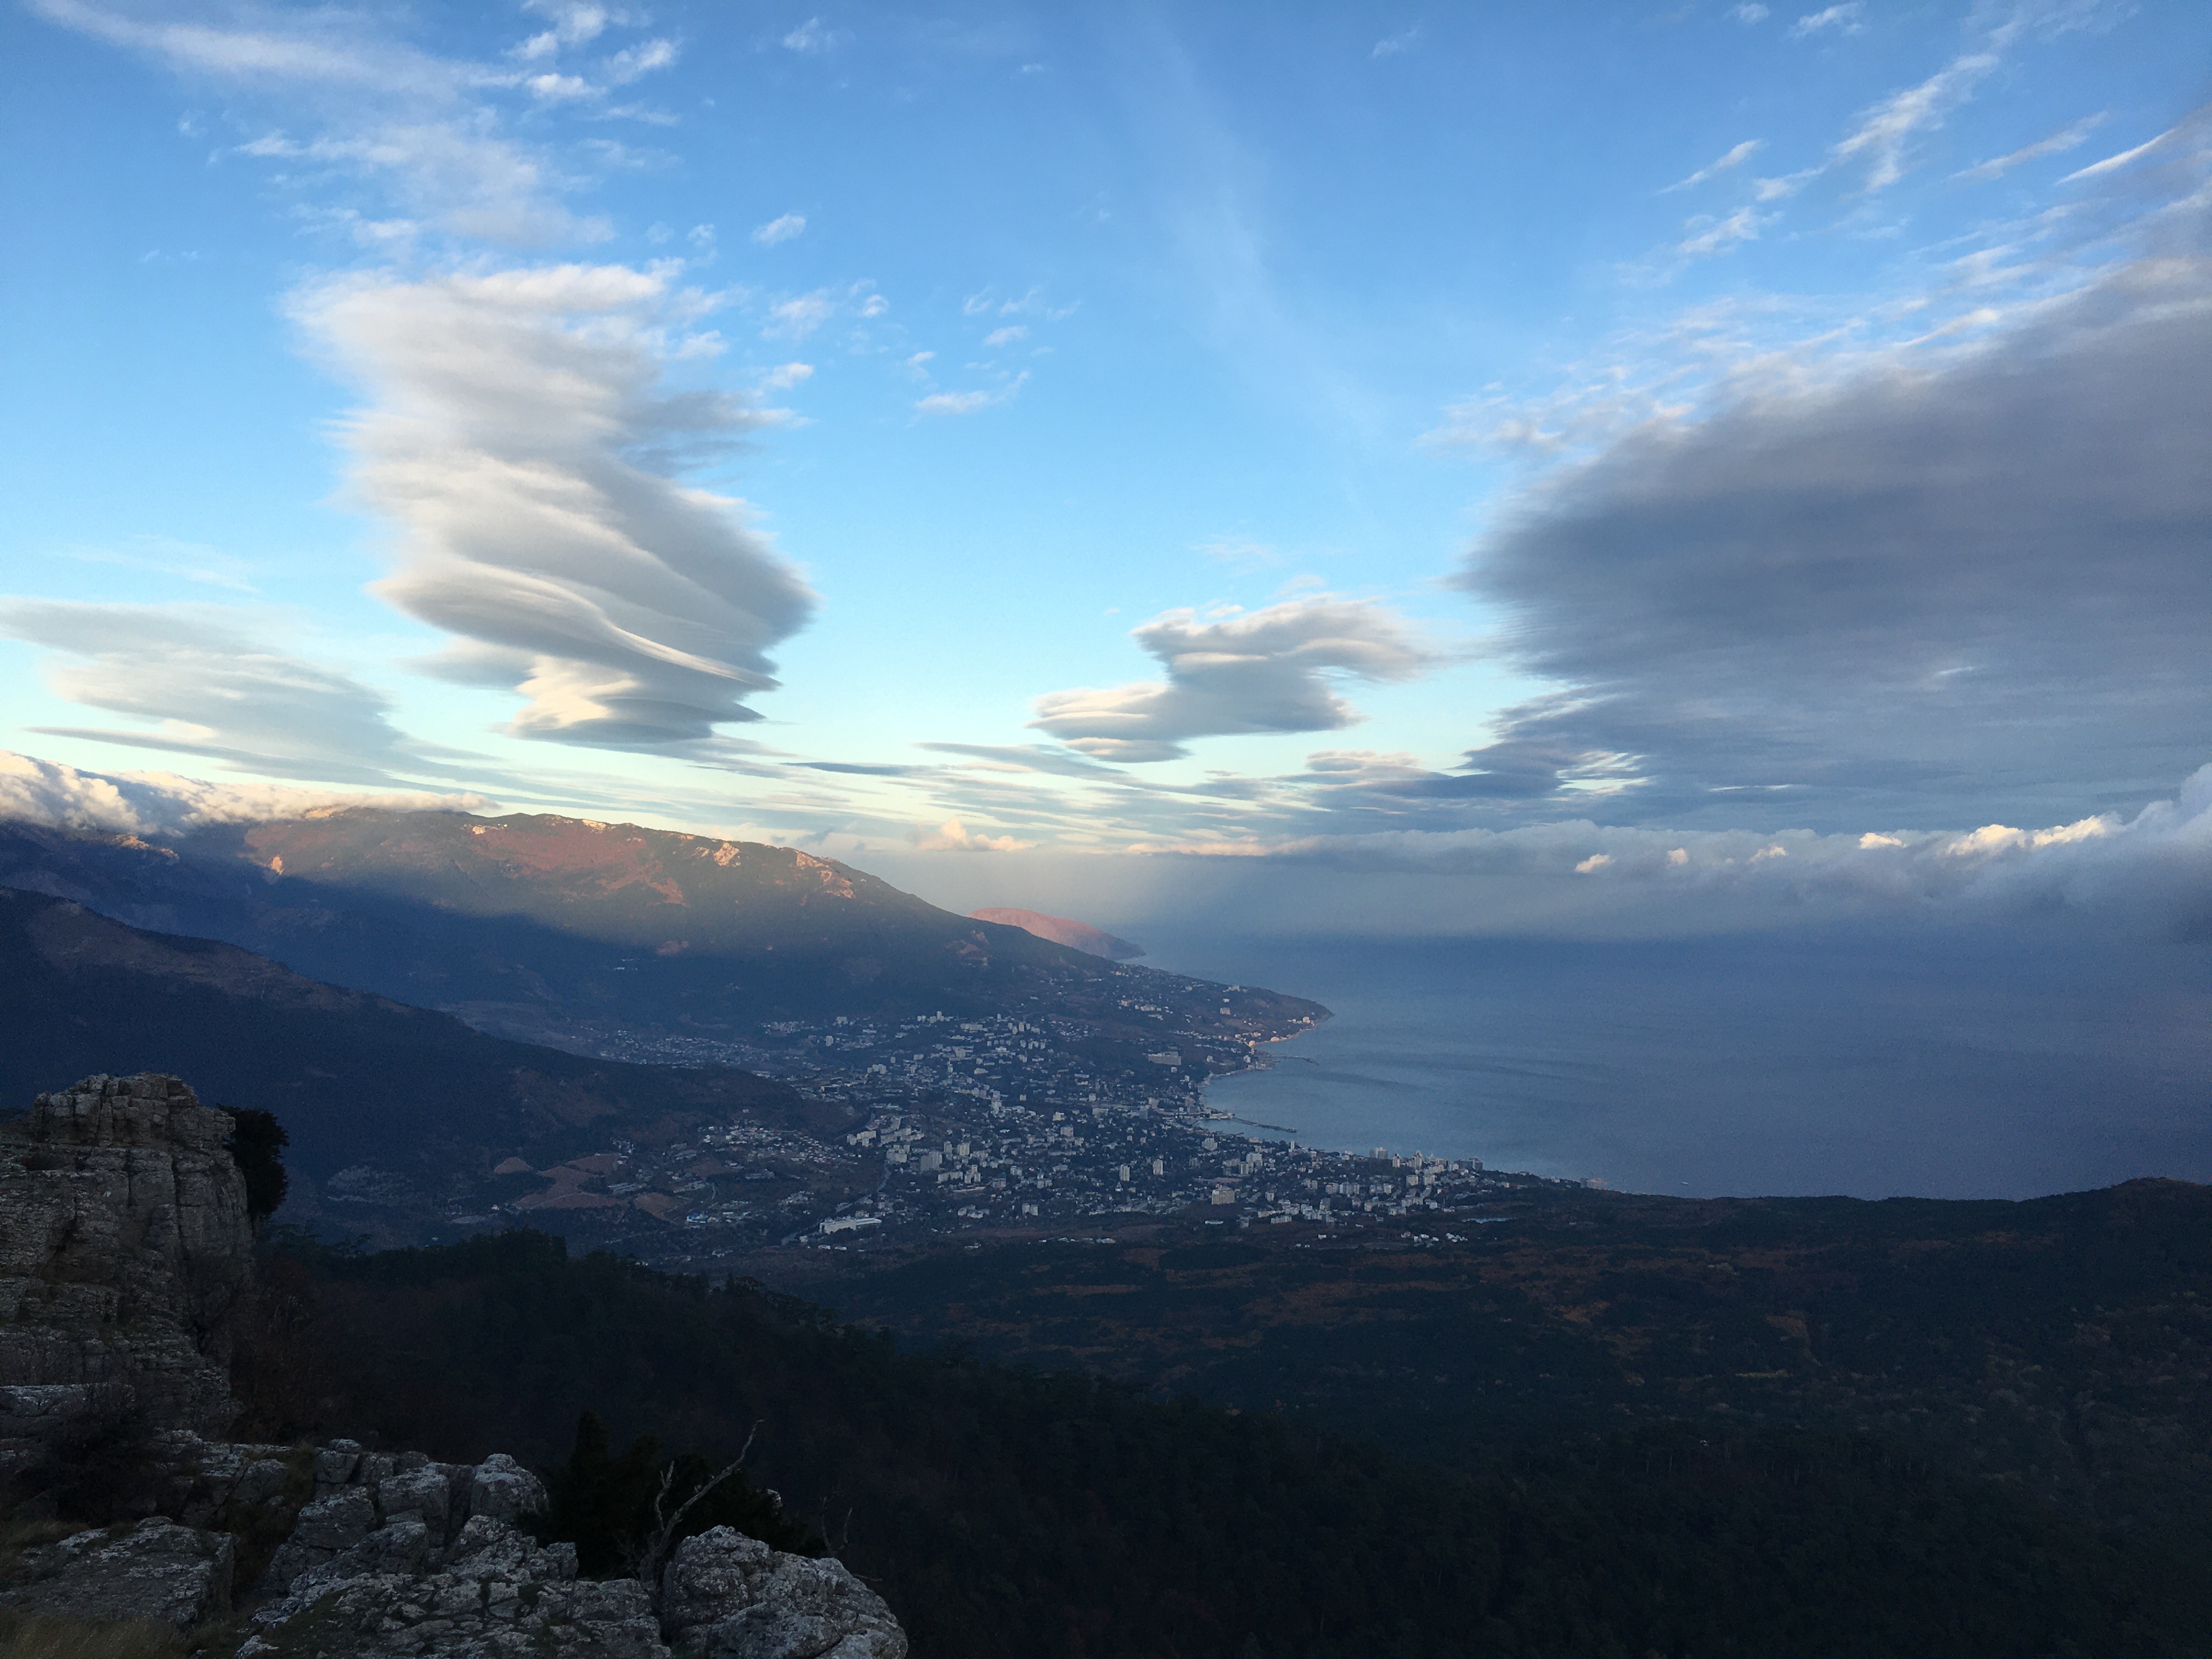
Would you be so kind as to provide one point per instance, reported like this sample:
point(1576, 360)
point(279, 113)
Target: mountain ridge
point(427, 1102)
point(533, 925)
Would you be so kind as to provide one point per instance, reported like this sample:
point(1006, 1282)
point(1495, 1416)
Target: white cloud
point(814, 37)
point(426, 128)
point(1736, 157)
point(796, 319)
point(1710, 235)
point(1391, 44)
point(780, 229)
point(1749, 13)
point(633, 63)
point(2114, 163)
point(59, 797)
point(519, 435)
point(575, 23)
point(213, 685)
point(952, 836)
point(555, 89)
point(786, 376)
point(1006, 336)
point(1261, 672)
point(970, 403)
point(1847, 19)
point(2056, 144)
point(1884, 131)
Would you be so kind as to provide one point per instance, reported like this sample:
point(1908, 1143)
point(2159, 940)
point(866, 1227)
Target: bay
point(1944, 1066)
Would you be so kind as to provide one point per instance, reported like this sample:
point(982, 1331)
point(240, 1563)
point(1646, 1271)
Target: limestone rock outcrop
point(398, 1557)
point(724, 1595)
point(126, 1247)
point(158, 1571)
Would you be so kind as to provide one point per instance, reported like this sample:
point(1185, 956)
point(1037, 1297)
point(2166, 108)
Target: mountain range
point(421, 1102)
point(537, 926)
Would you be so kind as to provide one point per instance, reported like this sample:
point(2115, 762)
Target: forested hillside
point(1008, 1515)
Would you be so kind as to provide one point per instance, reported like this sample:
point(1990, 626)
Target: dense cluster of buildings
point(1007, 1120)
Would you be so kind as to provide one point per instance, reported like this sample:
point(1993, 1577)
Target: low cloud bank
point(2145, 875)
point(2156, 864)
point(59, 797)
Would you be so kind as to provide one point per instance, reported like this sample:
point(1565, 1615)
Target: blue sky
point(1503, 433)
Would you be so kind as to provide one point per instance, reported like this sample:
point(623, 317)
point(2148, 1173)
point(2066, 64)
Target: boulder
point(157, 1570)
point(493, 1591)
point(724, 1595)
point(713, 1575)
point(502, 1488)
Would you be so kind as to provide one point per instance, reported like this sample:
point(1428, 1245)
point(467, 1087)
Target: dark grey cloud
point(1927, 595)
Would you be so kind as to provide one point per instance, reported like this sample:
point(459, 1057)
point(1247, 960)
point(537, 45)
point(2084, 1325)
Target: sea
point(1945, 1066)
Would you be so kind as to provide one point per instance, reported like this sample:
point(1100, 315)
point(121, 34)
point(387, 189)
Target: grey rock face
point(727, 1596)
point(157, 1570)
point(483, 1587)
point(127, 1244)
point(501, 1486)
point(492, 1591)
point(211, 1483)
point(713, 1575)
point(427, 1492)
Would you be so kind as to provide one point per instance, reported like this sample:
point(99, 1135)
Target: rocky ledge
point(396, 1557)
point(399, 1556)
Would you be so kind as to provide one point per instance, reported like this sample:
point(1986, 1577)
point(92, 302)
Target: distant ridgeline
point(357, 1079)
point(532, 926)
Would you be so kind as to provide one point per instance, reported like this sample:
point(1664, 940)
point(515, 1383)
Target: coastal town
point(1015, 1121)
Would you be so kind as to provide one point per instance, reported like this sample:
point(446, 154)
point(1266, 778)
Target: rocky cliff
point(125, 1251)
point(126, 1247)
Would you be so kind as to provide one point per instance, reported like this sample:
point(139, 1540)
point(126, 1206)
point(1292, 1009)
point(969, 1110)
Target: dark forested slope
point(1017, 1516)
point(2061, 1345)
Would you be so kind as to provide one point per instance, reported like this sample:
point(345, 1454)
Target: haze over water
point(1745, 1066)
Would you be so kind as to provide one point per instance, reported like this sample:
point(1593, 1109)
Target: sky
point(1582, 469)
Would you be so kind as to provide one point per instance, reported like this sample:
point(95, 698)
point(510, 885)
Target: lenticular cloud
point(1262, 672)
point(520, 434)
